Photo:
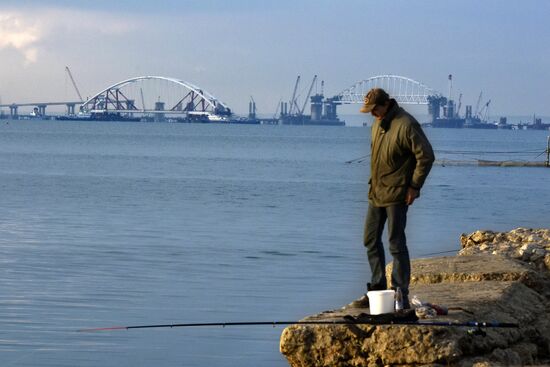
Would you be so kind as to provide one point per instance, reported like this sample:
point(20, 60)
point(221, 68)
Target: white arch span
point(404, 90)
point(209, 98)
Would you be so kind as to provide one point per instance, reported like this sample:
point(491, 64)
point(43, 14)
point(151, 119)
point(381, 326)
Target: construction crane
point(450, 86)
point(74, 83)
point(252, 108)
point(293, 100)
point(308, 94)
point(296, 105)
point(476, 114)
point(484, 112)
point(277, 109)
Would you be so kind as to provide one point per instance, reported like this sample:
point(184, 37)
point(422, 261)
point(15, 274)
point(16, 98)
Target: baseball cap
point(375, 96)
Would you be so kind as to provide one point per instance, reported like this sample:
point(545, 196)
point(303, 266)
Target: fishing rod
point(347, 321)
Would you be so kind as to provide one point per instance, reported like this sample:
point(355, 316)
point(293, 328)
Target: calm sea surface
point(106, 224)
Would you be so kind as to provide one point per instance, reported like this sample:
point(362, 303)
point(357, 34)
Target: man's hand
point(411, 195)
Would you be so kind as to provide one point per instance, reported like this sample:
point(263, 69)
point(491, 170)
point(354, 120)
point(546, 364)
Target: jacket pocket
point(394, 180)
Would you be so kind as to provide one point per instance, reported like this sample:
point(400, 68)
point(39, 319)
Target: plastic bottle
point(416, 302)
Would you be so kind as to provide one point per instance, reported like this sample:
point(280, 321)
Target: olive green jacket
point(401, 157)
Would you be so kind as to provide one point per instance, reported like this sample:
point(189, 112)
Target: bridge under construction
point(159, 98)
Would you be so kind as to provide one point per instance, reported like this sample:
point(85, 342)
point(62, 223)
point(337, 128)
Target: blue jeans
point(396, 215)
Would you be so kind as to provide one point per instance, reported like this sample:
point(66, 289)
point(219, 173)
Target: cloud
point(18, 34)
point(27, 33)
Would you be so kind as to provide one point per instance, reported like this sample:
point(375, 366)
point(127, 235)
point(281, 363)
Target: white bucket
point(381, 301)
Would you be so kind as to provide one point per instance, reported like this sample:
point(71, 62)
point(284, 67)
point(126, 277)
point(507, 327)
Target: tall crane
point(476, 114)
point(450, 87)
point(308, 94)
point(277, 108)
point(459, 105)
point(74, 83)
point(484, 112)
point(293, 100)
point(252, 108)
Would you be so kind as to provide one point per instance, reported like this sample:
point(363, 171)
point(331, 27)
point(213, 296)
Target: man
point(401, 158)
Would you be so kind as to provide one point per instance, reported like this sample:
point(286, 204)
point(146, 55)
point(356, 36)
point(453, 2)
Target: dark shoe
point(362, 302)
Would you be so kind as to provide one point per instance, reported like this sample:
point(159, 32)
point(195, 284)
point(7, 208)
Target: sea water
point(106, 224)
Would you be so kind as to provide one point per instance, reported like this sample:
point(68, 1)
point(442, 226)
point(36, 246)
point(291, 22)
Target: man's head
point(377, 102)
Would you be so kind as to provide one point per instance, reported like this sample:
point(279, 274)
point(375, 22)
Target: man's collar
point(392, 111)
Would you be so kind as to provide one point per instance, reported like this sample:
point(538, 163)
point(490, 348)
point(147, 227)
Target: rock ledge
point(496, 276)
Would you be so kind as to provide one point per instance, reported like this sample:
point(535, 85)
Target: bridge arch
point(404, 90)
point(191, 98)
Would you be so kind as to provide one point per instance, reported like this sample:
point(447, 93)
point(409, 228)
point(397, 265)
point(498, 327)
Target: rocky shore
point(496, 276)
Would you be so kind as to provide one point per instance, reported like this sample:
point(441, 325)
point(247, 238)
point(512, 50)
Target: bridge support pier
point(70, 109)
point(130, 106)
point(13, 112)
point(159, 106)
point(316, 107)
point(330, 108)
point(42, 109)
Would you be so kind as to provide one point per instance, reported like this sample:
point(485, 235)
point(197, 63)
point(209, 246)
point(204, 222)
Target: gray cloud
point(19, 34)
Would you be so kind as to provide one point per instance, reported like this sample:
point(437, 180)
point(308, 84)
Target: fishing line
point(466, 152)
point(541, 153)
point(439, 252)
point(487, 152)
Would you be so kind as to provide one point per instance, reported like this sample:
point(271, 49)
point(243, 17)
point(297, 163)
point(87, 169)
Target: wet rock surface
point(488, 281)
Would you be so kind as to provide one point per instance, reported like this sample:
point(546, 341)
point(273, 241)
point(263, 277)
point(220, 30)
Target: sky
point(241, 48)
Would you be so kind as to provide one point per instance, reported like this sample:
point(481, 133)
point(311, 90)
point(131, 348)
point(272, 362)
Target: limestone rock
point(362, 345)
point(500, 276)
point(475, 268)
point(529, 245)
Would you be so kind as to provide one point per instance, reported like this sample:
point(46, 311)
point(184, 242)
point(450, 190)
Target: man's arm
point(423, 152)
